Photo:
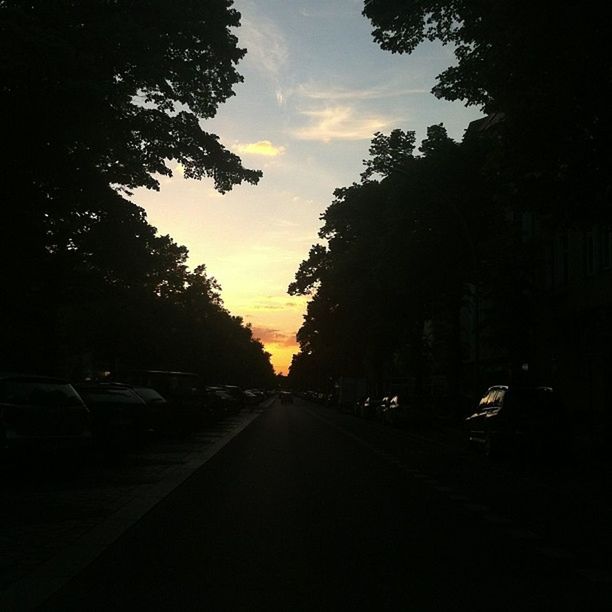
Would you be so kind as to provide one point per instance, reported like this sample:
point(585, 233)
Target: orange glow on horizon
point(281, 355)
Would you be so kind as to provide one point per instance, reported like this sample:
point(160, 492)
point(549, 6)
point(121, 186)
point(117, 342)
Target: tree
point(96, 97)
point(544, 69)
point(393, 259)
point(117, 88)
point(99, 97)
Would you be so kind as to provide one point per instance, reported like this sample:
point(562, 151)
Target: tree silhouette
point(544, 70)
point(394, 259)
point(100, 97)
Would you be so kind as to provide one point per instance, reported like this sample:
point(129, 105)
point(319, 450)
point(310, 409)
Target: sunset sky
point(316, 88)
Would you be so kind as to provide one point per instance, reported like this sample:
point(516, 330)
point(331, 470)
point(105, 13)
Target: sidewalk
point(55, 524)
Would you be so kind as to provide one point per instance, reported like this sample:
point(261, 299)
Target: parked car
point(380, 406)
point(221, 402)
point(368, 407)
point(158, 417)
point(119, 414)
point(39, 412)
point(393, 411)
point(254, 396)
point(238, 394)
point(520, 419)
point(184, 393)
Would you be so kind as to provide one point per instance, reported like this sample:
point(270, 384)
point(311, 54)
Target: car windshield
point(38, 393)
point(149, 395)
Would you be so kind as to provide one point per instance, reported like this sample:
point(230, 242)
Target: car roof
point(102, 385)
point(164, 372)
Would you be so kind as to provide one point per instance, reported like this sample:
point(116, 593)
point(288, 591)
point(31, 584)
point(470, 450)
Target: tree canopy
point(117, 88)
point(544, 68)
point(99, 97)
point(393, 255)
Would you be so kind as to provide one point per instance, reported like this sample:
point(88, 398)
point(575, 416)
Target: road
point(310, 509)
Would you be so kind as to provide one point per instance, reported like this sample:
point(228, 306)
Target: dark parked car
point(380, 406)
point(221, 402)
point(42, 413)
point(254, 396)
point(238, 394)
point(520, 419)
point(118, 412)
point(158, 416)
point(393, 411)
point(183, 391)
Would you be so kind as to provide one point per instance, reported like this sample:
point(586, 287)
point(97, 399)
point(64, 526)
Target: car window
point(498, 398)
point(149, 395)
point(486, 400)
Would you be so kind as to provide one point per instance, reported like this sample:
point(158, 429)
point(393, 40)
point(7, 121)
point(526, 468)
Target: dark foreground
point(310, 509)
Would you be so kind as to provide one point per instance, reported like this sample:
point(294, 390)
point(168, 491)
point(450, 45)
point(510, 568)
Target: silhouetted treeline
point(486, 261)
point(97, 98)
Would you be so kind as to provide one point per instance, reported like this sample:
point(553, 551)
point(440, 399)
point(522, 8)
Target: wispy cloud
point(264, 40)
point(268, 335)
point(314, 91)
point(273, 303)
point(340, 123)
point(262, 147)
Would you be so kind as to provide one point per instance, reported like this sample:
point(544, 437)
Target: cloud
point(313, 91)
point(275, 303)
point(281, 98)
point(340, 123)
point(268, 335)
point(265, 43)
point(262, 147)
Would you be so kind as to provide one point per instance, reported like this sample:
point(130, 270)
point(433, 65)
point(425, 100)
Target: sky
point(316, 88)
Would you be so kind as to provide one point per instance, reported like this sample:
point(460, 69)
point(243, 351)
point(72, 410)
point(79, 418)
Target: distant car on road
point(520, 419)
point(39, 412)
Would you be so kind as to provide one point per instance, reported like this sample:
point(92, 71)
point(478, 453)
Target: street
point(308, 508)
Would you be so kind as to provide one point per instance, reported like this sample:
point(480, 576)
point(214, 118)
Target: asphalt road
point(308, 509)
